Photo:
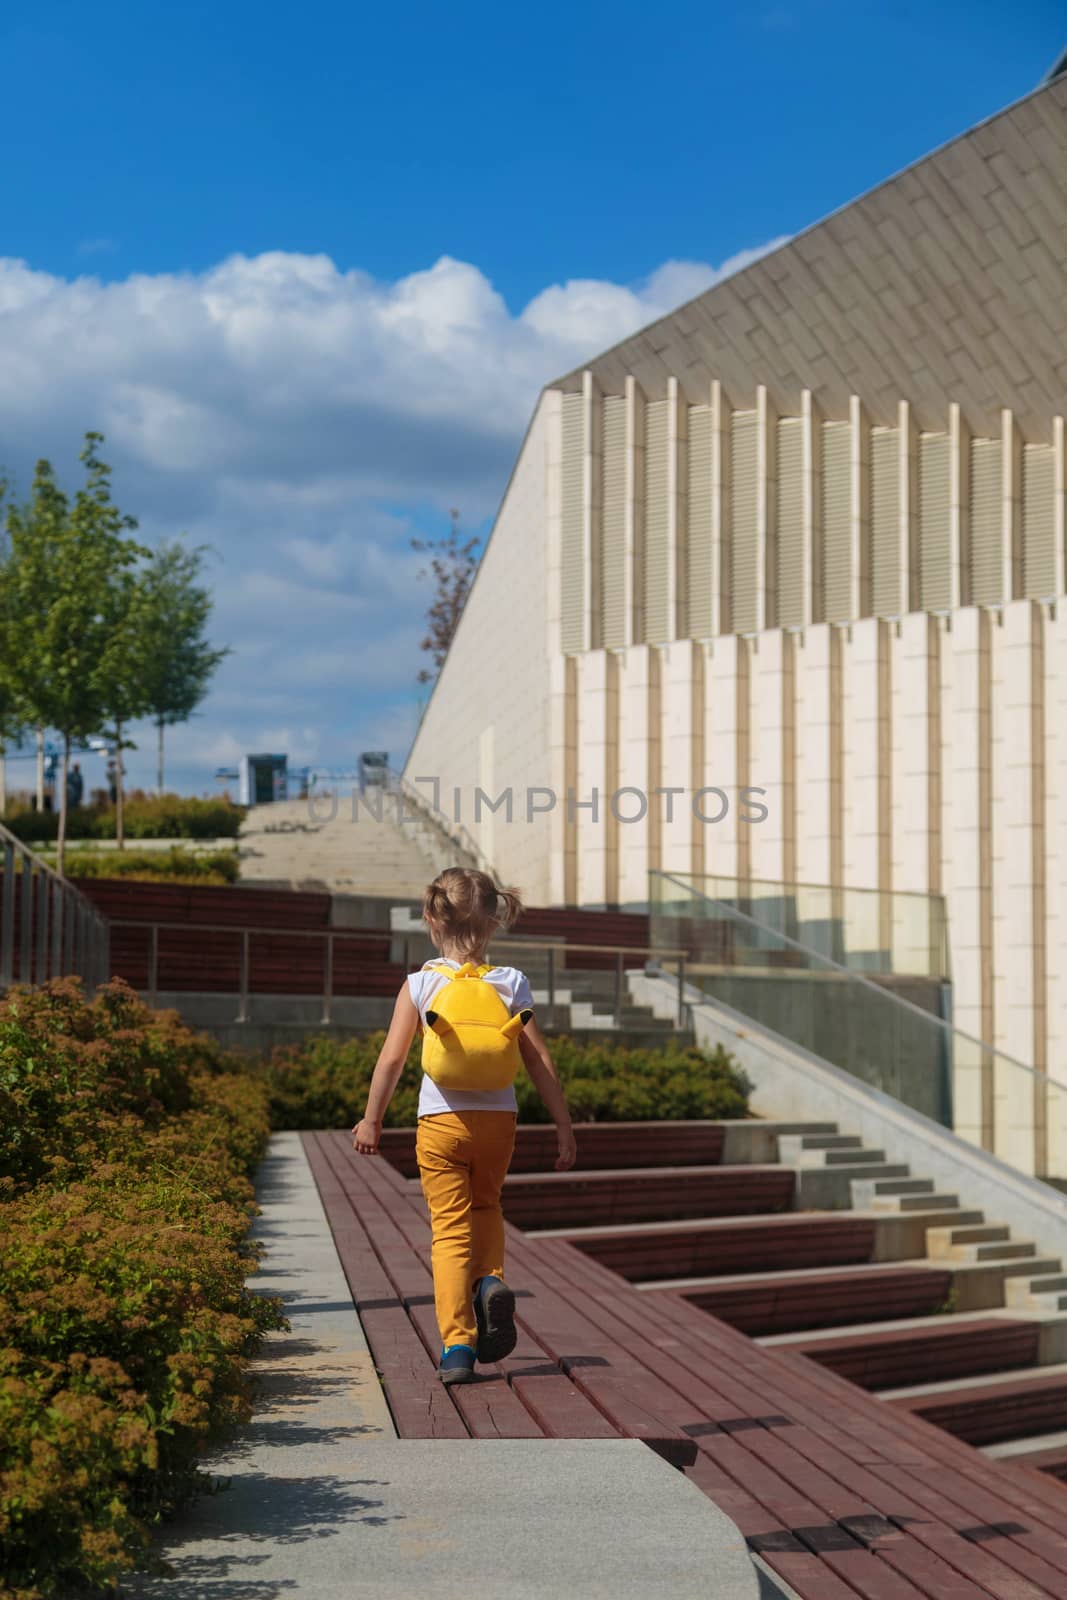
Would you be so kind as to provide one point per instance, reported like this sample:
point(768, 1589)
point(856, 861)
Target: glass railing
point(862, 1026)
point(864, 930)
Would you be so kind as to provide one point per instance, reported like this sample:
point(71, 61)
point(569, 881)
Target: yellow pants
point(463, 1160)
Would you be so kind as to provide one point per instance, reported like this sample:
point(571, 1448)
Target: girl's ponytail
point(466, 908)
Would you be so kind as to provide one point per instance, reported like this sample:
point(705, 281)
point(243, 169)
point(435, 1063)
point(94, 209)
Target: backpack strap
point(467, 970)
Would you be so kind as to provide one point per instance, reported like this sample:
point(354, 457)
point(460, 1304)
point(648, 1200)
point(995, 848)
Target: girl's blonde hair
point(464, 908)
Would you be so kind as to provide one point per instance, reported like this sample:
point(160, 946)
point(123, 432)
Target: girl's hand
point(568, 1150)
point(366, 1136)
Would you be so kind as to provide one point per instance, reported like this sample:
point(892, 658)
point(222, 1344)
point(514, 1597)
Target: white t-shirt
point(514, 989)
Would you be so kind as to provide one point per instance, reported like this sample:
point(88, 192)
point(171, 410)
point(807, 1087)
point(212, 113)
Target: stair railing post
point(7, 920)
point(681, 991)
point(618, 988)
point(551, 978)
point(242, 1015)
point(153, 965)
point(56, 966)
point(26, 919)
point(68, 957)
point(327, 996)
point(42, 927)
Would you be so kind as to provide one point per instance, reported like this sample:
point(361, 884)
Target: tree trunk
point(61, 838)
point(40, 769)
point(120, 837)
point(159, 762)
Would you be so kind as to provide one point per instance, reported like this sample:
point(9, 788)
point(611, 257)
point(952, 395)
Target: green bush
point(156, 866)
point(168, 816)
point(324, 1084)
point(126, 1164)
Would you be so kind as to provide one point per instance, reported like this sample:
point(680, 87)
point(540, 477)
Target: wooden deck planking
point(852, 1427)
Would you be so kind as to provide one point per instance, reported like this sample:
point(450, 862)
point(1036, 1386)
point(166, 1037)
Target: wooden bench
point(601, 1145)
point(734, 1244)
point(128, 900)
point(842, 1495)
point(784, 1302)
point(558, 1199)
point(1003, 1408)
point(957, 1348)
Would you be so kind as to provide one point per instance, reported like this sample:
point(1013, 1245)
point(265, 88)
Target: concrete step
point(914, 1202)
point(796, 1300)
point(1011, 1449)
point(822, 1141)
point(1043, 1452)
point(854, 1158)
point(866, 1189)
point(942, 1241)
point(1041, 1292)
point(831, 1188)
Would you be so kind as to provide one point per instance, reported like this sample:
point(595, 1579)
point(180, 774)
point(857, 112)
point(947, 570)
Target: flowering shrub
point(324, 1083)
point(127, 1150)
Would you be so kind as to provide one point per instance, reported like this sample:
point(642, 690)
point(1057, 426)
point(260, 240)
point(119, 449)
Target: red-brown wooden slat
point(600, 1145)
point(900, 1356)
point(1000, 1409)
point(790, 1304)
point(697, 1249)
point(559, 1199)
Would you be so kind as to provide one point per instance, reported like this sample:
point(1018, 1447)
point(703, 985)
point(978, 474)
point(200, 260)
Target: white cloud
point(305, 422)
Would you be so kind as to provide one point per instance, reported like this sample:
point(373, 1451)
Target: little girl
point(465, 1137)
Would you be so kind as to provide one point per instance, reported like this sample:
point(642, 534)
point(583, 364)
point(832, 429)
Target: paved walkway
point(327, 1501)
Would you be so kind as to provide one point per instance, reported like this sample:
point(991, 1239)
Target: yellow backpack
point(470, 1041)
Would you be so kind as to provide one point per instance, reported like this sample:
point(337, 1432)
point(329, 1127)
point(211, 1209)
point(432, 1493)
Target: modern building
point(806, 535)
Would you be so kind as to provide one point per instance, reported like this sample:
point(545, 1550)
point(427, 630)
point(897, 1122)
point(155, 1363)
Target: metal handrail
point(59, 933)
point(554, 947)
point(453, 832)
point(948, 1031)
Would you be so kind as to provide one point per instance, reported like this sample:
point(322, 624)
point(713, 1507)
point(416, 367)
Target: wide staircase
point(803, 1239)
point(840, 1256)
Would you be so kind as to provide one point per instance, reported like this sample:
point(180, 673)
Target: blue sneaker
point(456, 1365)
point(494, 1310)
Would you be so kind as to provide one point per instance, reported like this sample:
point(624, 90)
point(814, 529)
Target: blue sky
point(308, 267)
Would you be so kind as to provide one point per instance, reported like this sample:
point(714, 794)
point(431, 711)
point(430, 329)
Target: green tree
point(452, 566)
point(122, 679)
point(11, 722)
point(64, 596)
point(176, 661)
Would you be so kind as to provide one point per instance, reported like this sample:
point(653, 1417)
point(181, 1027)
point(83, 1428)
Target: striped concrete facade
point(807, 535)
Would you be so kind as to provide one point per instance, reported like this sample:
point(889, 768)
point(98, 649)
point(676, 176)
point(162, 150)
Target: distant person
point(50, 783)
point(466, 1120)
point(75, 787)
